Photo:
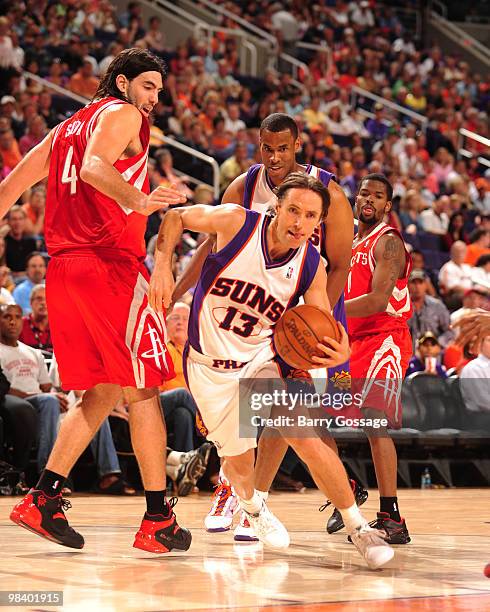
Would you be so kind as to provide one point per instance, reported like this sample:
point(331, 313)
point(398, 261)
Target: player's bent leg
point(239, 470)
point(42, 509)
point(330, 476)
point(270, 453)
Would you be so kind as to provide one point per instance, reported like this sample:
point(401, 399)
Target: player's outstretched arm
point(389, 255)
point(224, 221)
point(30, 170)
point(335, 352)
point(117, 130)
point(233, 195)
point(339, 227)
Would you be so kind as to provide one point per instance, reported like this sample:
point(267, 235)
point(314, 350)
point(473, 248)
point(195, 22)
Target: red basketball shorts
point(378, 364)
point(103, 329)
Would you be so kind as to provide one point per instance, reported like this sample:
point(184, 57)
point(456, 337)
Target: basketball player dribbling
point(106, 337)
point(279, 144)
point(262, 265)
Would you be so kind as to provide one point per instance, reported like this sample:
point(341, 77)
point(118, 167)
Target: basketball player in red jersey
point(378, 307)
point(106, 337)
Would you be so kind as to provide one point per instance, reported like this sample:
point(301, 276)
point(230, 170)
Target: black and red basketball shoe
point(160, 533)
point(336, 522)
point(45, 516)
point(396, 531)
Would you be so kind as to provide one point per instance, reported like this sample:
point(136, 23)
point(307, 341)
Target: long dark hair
point(131, 63)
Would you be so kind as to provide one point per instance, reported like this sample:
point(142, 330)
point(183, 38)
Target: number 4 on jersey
point(70, 172)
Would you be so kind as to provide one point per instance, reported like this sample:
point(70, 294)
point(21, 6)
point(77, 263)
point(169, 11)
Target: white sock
point(252, 505)
point(172, 471)
point(352, 518)
point(263, 494)
point(174, 458)
point(223, 478)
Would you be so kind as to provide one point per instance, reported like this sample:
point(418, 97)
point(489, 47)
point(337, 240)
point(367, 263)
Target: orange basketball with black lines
point(298, 332)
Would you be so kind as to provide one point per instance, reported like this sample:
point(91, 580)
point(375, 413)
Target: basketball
point(486, 571)
point(298, 332)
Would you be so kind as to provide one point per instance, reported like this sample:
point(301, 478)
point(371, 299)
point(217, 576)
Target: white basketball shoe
point(268, 528)
point(372, 546)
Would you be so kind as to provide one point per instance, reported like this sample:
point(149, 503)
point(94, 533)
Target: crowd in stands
point(441, 200)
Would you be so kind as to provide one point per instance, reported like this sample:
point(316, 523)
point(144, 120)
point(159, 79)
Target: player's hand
point(472, 329)
point(161, 288)
point(335, 352)
point(162, 197)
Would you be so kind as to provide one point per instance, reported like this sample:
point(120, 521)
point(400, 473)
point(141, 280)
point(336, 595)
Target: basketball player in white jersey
point(279, 144)
point(261, 267)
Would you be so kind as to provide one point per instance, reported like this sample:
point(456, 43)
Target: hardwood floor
point(442, 569)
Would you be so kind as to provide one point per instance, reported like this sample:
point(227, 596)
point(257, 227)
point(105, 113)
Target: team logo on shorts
point(341, 380)
point(157, 350)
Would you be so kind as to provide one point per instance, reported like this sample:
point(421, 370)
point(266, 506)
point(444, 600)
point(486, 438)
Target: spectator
point(435, 220)
point(113, 49)
point(377, 126)
point(428, 357)
point(234, 166)
point(233, 123)
point(36, 131)
point(155, 38)
point(20, 422)
point(455, 230)
point(165, 167)
point(18, 244)
point(26, 371)
point(418, 263)
point(35, 209)
point(9, 149)
point(479, 245)
point(455, 275)
point(429, 314)
point(35, 327)
point(481, 199)
point(35, 272)
point(83, 82)
point(178, 406)
point(480, 274)
point(475, 380)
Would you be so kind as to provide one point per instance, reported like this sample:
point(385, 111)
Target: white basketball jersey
point(259, 195)
point(242, 293)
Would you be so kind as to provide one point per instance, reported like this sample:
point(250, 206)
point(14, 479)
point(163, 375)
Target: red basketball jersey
point(77, 215)
point(359, 282)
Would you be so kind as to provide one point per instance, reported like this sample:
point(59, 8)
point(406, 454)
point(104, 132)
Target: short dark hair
point(482, 261)
point(377, 176)
point(280, 122)
point(476, 234)
point(301, 180)
point(131, 63)
point(33, 254)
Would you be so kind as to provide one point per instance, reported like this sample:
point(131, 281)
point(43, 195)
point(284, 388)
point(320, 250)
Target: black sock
point(50, 483)
point(156, 503)
point(390, 505)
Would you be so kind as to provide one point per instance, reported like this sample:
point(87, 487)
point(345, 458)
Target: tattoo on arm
point(392, 254)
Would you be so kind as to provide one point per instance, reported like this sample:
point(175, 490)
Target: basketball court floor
point(442, 569)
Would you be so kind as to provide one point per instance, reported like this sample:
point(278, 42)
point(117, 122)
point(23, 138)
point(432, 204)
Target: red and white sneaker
point(225, 505)
point(244, 531)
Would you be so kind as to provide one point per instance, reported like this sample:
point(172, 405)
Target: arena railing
point(165, 140)
point(358, 93)
point(463, 152)
point(461, 38)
